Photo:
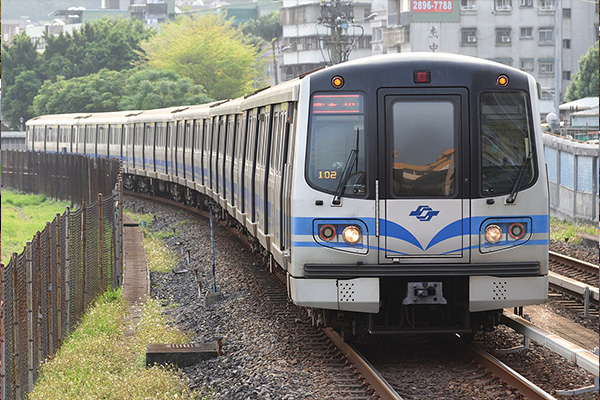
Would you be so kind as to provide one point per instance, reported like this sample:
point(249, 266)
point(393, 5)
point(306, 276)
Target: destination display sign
point(337, 104)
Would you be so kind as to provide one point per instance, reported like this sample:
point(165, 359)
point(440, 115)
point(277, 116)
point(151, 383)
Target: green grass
point(22, 216)
point(160, 257)
point(99, 361)
point(567, 231)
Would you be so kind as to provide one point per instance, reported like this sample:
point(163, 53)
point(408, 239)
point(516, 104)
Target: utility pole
point(557, 57)
point(337, 15)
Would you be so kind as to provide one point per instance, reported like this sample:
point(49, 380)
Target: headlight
point(493, 233)
point(352, 234)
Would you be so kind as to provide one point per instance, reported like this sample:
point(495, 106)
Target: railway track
point(573, 268)
point(574, 284)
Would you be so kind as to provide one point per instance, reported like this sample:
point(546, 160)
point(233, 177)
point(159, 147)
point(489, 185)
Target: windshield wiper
point(352, 159)
point(517, 185)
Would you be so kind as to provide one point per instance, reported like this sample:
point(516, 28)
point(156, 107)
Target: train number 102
point(327, 174)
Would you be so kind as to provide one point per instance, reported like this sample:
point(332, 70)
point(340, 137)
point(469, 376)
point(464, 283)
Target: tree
point(148, 89)
point(111, 43)
point(21, 55)
point(586, 81)
point(21, 94)
point(92, 93)
point(266, 27)
point(113, 90)
point(209, 51)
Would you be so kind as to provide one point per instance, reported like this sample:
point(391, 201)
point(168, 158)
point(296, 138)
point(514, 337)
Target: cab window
point(336, 159)
point(506, 143)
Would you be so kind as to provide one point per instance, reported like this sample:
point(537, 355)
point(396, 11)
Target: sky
point(38, 10)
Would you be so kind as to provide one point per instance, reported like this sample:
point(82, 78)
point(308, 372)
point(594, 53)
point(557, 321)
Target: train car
point(103, 133)
point(402, 193)
point(52, 133)
point(420, 195)
point(194, 120)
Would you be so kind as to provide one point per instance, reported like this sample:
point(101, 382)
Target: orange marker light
point(337, 82)
point(502, 80)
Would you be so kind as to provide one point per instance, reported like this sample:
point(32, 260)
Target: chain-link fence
point(64, 176)
point(45, 290)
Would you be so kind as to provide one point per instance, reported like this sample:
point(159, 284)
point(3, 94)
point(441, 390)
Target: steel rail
point(573, 287)
point(507, 374)
point(577, 355)
point(381, 387)
point(573, 262)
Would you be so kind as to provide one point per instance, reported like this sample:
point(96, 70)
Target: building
point(579, 118)
point(527, 34)
point(520, 33)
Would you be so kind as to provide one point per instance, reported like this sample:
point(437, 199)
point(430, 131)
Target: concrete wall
point(573, 174)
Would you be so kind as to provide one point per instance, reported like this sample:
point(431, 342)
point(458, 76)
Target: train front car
point(424, 207)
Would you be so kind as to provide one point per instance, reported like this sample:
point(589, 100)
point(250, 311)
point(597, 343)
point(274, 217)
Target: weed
point(565, 231)
point(95, 362)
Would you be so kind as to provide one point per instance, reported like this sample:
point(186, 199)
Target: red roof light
point(422, 76)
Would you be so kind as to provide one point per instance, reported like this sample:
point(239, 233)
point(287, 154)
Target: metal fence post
point(116, 237)
point(3, 309)
point(38, 273)
point(121, 233)
point(29, 264)
point(15, 327)
point(84, 255)
point(58, 291)
point(67, 270)
point(49, 292)
point(100, 245)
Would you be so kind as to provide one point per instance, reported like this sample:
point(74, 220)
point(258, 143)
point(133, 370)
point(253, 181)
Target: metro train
point(401, 193)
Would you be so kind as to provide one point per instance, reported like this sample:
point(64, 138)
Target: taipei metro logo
point(424, 213)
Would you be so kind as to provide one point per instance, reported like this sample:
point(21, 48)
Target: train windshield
point(336, 145)
point(507, 161)
point(424, 137)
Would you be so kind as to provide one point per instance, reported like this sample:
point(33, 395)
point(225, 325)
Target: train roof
point(56, 119)
point(287, 91)
point(229, 107)
point(396, 70)
point(113, 117)
point(157, 115)
point(194, 112)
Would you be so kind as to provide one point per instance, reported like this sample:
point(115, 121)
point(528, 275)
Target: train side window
point(139, 134)
point(51, 135)
point(275, 140)
point(198, 135)
point(149, 137)
point(506, 142)
point(102, 139)
point(89, 134)
point(189, 135)
point(82, 133)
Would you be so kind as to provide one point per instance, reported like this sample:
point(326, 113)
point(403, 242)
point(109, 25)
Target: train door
point(424, 183)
